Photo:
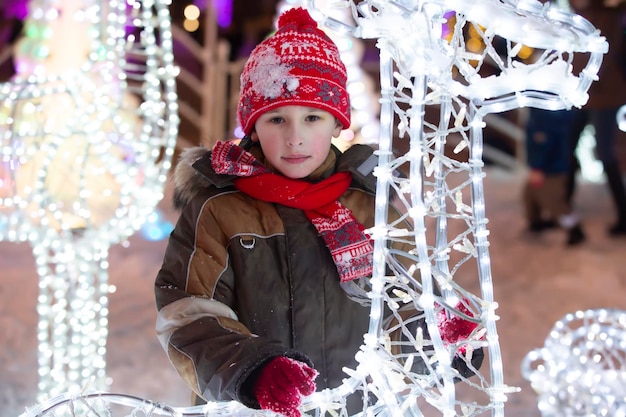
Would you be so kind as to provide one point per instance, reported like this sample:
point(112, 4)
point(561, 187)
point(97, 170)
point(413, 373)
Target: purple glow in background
point(14, 9)
point(446, 30)
point(223, 10)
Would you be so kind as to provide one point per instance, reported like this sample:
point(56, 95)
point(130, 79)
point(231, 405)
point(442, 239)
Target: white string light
point(401, 368)
point(621, 118)
point(87, 131)
point(421, 71)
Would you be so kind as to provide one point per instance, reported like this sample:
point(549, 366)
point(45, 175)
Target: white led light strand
point(422, 71)
point(433, 94)
point(87, 131)
point(621, 118)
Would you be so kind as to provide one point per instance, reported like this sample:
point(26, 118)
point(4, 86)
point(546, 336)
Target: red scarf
point(342, 233)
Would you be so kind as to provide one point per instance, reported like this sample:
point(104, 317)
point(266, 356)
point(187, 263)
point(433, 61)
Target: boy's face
point(296, 139)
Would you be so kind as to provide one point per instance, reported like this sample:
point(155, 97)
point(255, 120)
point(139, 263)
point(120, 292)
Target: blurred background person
point(548, 156)
point(606, 96)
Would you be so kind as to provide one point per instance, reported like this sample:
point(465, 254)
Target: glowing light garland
point(621, 118)
point(422, 69)
point(87, 136)
point(581, 369)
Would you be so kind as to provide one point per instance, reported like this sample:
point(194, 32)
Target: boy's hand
point(281, 385)
point(453, 327)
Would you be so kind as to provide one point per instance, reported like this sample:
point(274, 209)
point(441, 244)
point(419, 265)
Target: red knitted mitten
point(453, 327)
point(282, 383)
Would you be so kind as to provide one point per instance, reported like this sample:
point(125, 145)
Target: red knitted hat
point(298, 65)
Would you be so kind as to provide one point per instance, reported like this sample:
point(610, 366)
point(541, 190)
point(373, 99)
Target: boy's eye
point(312, 118)
point(276, 120)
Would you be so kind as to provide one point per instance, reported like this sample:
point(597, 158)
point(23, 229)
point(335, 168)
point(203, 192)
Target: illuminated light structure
point(87, 132)
point(422, 69)
point(581, 369)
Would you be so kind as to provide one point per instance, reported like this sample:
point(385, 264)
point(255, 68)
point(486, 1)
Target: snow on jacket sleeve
point(212, 351)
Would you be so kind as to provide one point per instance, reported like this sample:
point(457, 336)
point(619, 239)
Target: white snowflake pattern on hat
point(268, 75)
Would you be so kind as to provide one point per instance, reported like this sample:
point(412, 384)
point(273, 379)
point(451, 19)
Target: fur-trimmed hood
point(187, 179)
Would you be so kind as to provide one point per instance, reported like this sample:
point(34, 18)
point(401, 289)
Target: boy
point(257, 295)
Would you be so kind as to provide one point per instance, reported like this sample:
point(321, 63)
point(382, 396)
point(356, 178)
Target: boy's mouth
point(295, 159)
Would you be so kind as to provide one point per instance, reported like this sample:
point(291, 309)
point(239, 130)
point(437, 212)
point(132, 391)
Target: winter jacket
point(244, 281)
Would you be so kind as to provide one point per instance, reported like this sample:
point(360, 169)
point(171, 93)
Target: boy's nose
point(294, 138)
point(294, 141)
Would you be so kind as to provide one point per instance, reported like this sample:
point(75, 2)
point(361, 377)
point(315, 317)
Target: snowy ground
point(536, 282)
